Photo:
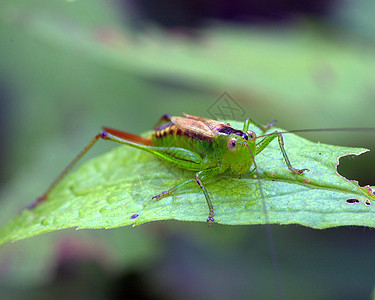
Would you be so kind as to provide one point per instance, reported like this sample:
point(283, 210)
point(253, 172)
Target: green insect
point(206, 146)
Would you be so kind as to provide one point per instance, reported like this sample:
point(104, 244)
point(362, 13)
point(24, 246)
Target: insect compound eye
point(252, 135)
point(232, 143)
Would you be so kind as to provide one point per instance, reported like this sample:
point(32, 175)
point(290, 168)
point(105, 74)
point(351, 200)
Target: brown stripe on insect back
point(193, 134)
point(174, 135)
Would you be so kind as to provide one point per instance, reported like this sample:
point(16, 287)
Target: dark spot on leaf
point(352, 201)
point(367, 202)
point(134, 216)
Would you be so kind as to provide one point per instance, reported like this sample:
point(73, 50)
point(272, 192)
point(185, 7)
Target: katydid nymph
point(205, 146)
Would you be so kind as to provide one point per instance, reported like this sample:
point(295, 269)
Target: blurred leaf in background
point(69, 67)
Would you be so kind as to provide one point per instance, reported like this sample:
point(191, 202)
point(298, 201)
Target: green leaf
point(116, 189)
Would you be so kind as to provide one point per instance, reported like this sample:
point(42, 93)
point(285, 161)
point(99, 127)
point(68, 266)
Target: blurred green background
point(70, 67)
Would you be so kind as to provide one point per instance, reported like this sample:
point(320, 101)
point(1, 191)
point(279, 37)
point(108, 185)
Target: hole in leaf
point(134, 216)
point(367, 202)
point(352, 201)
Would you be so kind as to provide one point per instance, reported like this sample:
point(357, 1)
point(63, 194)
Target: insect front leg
point(268, 139)
point(264, 128)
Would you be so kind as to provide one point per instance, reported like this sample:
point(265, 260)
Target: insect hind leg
point(163, 118)
point(199, 176)
point(100, 135)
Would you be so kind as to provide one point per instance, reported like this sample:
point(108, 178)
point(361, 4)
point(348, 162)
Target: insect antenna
point(269, 231)
point(359, 129)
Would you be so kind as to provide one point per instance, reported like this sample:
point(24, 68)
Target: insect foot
point(161, 195)
point(37, 201)
point(210, 218)
point(300, 171)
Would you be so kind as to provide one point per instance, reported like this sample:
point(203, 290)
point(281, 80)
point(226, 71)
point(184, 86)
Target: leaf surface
point(116, 189)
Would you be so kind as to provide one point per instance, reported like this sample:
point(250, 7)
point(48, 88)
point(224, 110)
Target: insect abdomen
point(171, 135)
